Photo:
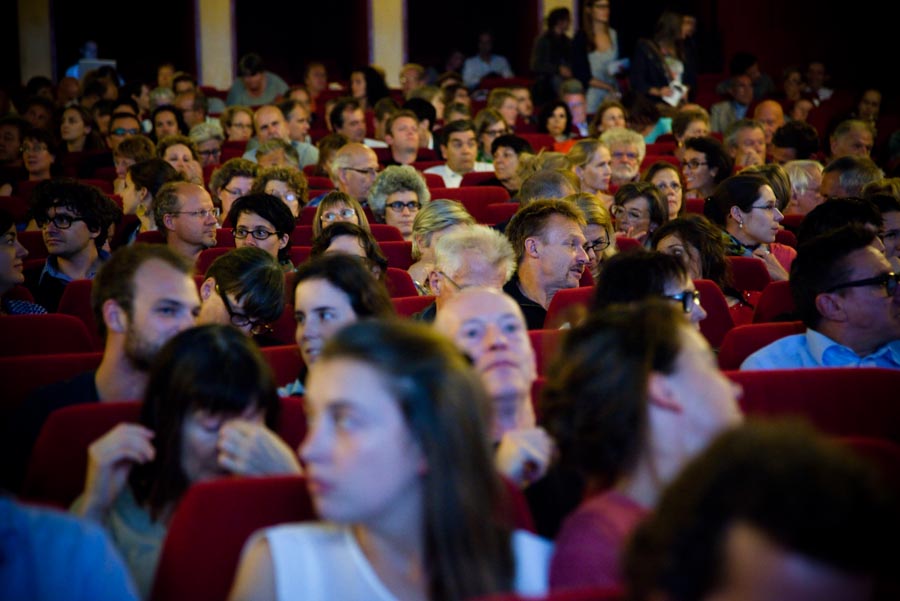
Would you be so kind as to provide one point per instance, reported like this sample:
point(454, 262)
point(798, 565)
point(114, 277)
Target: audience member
point(209, 138)
point(335, 207)
point(838, 212)
point(794, 141)
point(353, 171)
point(639, 208)
point(288, 184)
point(592, 163)
point(806, 185)
point(666, 176)
point(598, 231)
point(572, 93)
point(142, 182)
point(848, 175)
point(263, 221)
point(610, 114)
point(889, 207)
point(436, 219)
point(78, 131)
point(396, 196)
point(745, 141)
point(232, 180)
point(484, 63)
point(181, 152)
point(686, 124)
point(166, 120)
point(770, 114)
point(507, 151)
point(627, 149)
point(131, 150)
point(349, 238)
point(402, 137)
point(490, 125)
point(187, 218)
point(347, 118)
point(238, 123)
point(271, 124)
point(852, 138)
point(254, 86)
point(555, 119)
point(659, 64)
point(705, 164)
point(727, 112)
point(460, 146)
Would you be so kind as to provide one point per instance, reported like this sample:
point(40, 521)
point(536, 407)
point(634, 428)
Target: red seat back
point(475, 199)
point(624, 243)
point(475, 178)
point(546, 344)
point(17, 206)
point(207, 257)
point(406, 306)
point(385, 233)
point(742, 341)
point(210, 526)
point(568, 306)
point(151, 237)
point(883, 455)
point(694, 205)
point(433, 180)
point(76, 300)
point(851, 401)
point(398, 254)
point(718, 317)
point(749, 273)
point(43, 335)
point(538, 141)
point(498, 212)
point(320, 182)
point(786, 237)
point(21, 375)
point(399, 283)
point(776, 303)
point(284, 360)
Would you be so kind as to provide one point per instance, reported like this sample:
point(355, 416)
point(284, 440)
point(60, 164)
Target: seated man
point(549, 244)
point(848, 175)
point(460, 146)
point(627, 149)
point(185, 215)
point(353, 171)
point(722, 529)
point(348, 119)
point(723, 114)
point(770, 114)
point(471, 256)
point(75, 220)
point(141, 297)
point(244, 288)
point(485, 62)
point(402, 137)
point(254, 86)
point(794, 141)
point(745, 141)
point(427, 118)
point(275, 152)
point(848, 297)
point(852, 138)
point(270, 123)
point(488, 326)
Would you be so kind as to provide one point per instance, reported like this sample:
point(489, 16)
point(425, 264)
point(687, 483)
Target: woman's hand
point(523, 455)
point(110, 458)
point(250, 449)
point(776, 271)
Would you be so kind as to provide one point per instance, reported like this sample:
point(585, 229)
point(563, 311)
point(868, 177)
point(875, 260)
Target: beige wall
point(387, 46)
point(216, 49)
point(34, 39)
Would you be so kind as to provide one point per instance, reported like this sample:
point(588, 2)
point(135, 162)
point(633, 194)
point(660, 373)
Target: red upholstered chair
point(749, 273)
point(76, 300)
point(299, 254)
point(58, 462)
point(718, 318)
point(424, 164)
point(21, 375)
point(884, 455)
point(33, 241)
point(568, 306)
point(649, 159)
point(399, 283)
point(210, 526)
point(538, 141)
point(498, 212)
point(433, 180)
point(475, 199)
point(385, 233)
point(225, 237)
point(624, 243)
point(152, 237)
point(284, 360)
point(546, 344)
point(302, 235)
point(776, 303)
point(694, 205)
point(398, 254)
point(320, 182)
point(792, 221)
point(17, 206)
point(406, 306)
point(475, 178)
point(307, 215)
point(43, 335)
point(742, 341)
point(207, 257)
point(848, 401)
point(786, 237)
point(661, 148)
point(105, 184)
point(283, 329)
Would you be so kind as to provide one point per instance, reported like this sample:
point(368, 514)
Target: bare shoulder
point(255, 579)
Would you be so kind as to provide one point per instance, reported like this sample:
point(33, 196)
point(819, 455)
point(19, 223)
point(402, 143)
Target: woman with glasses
point(263, 221)
point(401, 473)
point(639, 209)
point(288, 184)
point(666, 176)
point(337, 207)
point(745, 207)
point(209, 138)
point(396, 197)
point(244, 288)
point(489, 125)
point(636, 398)
point(704, 164)
point(598, 231)
point(208, 412)
point(238, 123)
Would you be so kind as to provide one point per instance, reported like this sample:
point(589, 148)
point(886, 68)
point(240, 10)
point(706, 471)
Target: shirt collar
point(829, 353)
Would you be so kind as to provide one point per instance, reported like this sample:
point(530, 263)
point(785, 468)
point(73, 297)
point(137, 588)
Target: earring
point(740, 225)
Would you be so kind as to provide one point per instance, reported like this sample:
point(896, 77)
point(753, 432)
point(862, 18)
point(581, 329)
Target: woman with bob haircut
point(555, 119)
point(598, 231)
point(208, 411)
point(639, 209)
point(336, 207)
point(590, 159)
point(351, 239)
point(348, 290)
point(705, 163)
point(401, 472)
point(435, 220)
point(746, 208)
point(636, 398)
point(264, 221)
point(666, 176)
point(397, 195)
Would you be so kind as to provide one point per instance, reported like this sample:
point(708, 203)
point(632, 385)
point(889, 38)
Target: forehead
point(250, 219)
point(462, 136)
point(268, 115)
point(364, 159)
point(194, 196)
point(404, 120)
point(749, 133)
point(156, 278)
point(666, 174)
point(613, 112)
point(319, 291)
point(484, 306)
point(178, 149)
point(640, 202)
point(558, 225)
point(867, 262)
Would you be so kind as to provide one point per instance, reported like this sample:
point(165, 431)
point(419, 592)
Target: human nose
point(21, 251)
point(779, 216)
point(494, 338)
point(581, 255)
point(698, 313)
point(312, 449)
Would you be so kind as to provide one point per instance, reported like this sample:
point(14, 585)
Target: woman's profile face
point(363, 465)
point(357, 85)
point(199, 442)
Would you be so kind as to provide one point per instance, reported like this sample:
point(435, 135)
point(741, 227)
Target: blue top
point(813, 349)
point(47, 555)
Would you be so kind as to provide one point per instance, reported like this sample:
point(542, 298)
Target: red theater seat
point(546, 344)
point(718, 317)
point(406, 306)
point(476, 198)
point(54, 333)
point(742, 341)
point(749, 273)
point(21, 375)
point(568, 306)
point(776, 303)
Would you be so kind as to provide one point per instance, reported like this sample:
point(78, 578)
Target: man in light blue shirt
point(849, 299)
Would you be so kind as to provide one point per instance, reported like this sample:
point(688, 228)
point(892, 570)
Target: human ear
point(207, 288)
point(434, 282)
point(661, 393)
point(114, 317)
point(830, 306)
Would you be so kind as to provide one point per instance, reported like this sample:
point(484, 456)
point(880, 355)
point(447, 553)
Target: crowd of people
point(634, 459)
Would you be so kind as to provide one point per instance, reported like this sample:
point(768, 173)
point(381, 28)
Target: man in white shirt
point(484, 63)
point(460, 146)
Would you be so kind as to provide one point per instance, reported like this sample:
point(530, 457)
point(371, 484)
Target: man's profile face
point(354, 125)
point(856, 142)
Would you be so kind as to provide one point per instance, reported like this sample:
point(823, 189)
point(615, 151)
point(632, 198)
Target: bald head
point(270, 123)
point(771, 115)
point(354, 167)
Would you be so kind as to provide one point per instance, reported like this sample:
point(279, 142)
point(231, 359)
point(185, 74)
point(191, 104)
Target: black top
point(534, 313)
point(427, 314)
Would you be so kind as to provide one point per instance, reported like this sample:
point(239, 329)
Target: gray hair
point(620, 135)
point(204, 132)
point(802, 173)
point(273, 144)
point(742, 124)
point(396, 179)
point(434, 217)
point(161, 97)
point(486, 242)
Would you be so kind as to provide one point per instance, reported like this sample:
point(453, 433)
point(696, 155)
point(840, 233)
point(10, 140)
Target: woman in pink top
point(637, 397)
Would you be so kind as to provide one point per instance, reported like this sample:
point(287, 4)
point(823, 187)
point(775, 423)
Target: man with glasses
point(848, 297)
point(353, 171)
point(75, 221)
point(231, 181)
point(470, 256)
point(627, 149)
point(270, 123)
point(244, 288)
point(460, 146)
point(186, 217)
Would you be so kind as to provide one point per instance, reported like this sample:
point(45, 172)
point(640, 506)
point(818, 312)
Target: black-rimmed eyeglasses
point(688, 299)
point(888, 280)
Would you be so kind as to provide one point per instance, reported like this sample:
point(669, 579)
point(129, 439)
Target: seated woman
point(489, 125)
point(666, 176)
point(610, 114)
point(745, 207)
point(181, 152)
point(508, 150)
point(38, 154)
point(637, 396)
point(555, 119)
point(401, 472)
point(330, 292)
point(686, 124)
point(337, 207)
point(367, 86)
point(237, 121)
point(142, 181)
point(131, 150)
point(437, 218)
point(208, 411)
point(287, 184)
point(639, 209)
point(591, 160)
point(263, 221)
point(598, 231)
point(351, 239)
point(167, 121)
point(78, 130)
point(12, 255)
point(705, 164)
point(698, 243)
point(396, 197)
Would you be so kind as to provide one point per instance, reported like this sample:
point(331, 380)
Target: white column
point(387, 37)
point(215, 36)
point(35, 48)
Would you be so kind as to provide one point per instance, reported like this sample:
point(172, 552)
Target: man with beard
point(141, 297)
